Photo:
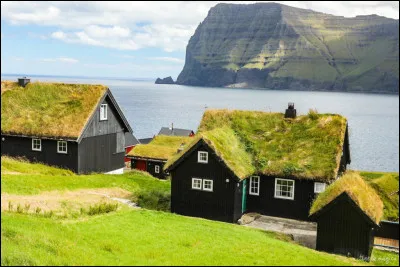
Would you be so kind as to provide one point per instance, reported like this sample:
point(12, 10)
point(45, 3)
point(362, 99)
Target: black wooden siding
point(113, 124)
point(217, 205)
point(388, 230)
point(345, 158)
point(102, 146)
point(266, 203)
point(98, 154)
point(343, 229)
point(151, 169)
point(16, 146)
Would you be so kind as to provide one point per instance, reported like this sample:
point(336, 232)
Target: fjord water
point(373, 119)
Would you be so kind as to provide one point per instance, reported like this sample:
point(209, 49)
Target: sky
point(121, 39)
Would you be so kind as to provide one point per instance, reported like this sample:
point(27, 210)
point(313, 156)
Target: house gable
point(217, 203)
point(115, 122)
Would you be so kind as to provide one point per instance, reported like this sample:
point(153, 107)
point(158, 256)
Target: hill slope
point(274, 46)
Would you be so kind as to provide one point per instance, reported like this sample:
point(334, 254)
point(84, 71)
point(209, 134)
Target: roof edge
point(343, 196)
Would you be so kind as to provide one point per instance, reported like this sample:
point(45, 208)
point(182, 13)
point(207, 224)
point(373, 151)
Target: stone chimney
point(172, 126)
point(23, 81)
point(290, 111)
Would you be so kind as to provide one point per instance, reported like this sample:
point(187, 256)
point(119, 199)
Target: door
point(244, 196)
point(141, 165)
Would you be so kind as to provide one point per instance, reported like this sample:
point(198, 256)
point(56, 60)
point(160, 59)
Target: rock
point(274, 46)
point(167, 80)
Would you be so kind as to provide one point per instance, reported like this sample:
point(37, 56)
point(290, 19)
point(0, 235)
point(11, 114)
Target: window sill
point(284, 198)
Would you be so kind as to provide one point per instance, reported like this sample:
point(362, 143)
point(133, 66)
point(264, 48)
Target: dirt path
point(66, 200)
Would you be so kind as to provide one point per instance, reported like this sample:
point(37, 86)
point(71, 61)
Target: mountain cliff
point(269, 45)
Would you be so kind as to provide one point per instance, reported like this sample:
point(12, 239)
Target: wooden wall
point(266, 204)
point(112, 125)
point(99, 154)
point(343, 229)
point(22, 147)
point(217, 205)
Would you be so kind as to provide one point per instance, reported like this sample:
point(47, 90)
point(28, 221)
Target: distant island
point(274, 46)
point(167, 80)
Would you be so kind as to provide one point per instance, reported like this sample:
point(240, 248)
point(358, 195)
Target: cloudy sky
point(120, 39)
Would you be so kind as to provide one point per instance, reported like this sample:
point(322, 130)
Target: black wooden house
point(74, 126)
point(347, 216)
point(151, 157)
point(250, 161)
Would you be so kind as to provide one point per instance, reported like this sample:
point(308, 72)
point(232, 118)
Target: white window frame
point(204, 185)
point(58, 147)
point(157, 169)
point(40, 143)
point(251, 191)
point(104, 108)
point(283, 197)
point(199, 159)
point(316, 184)
point(193, 183)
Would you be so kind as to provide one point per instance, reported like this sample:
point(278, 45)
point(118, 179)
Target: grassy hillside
point(135, 237)
point(386, 185)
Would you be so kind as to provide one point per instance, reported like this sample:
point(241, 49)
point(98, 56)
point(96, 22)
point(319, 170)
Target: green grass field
point(137, 236)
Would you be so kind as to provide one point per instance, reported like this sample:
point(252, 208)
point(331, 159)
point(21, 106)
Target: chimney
point(172, 126)
point(23, 81)
point(290, 111)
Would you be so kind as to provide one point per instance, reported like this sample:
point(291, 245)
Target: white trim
point(104, 108)
point(117, 171)
point(258, 186)
point(193, 183)
point(319, 184)
point(204, 185)
point(199, 160)
point(37, 149)
point(282, 197)
point(66, 147)
point(156, 169)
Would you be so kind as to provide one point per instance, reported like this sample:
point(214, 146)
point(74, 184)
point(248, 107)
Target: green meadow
point(131, 236)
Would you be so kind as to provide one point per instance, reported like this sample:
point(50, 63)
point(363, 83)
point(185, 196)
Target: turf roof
point(48, 109)
point(223, 139)
point(358, 190)
point(161, 147)
point(307, 147)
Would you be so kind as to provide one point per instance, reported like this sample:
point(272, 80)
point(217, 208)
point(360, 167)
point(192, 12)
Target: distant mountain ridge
point(269, 45)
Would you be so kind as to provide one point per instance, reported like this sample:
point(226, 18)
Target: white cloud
point(134, 25)
point(168, 59)
point(60, 59)
point(18, 58)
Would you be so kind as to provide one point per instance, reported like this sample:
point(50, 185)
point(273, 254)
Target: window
point(103, 112)
point(207, 185)
point(319, 187)
point(37, 144)
point(62, 147)
point(202, 157)
point(284, 188)
point(196, 183)
point(254, 185)
point(157, 169)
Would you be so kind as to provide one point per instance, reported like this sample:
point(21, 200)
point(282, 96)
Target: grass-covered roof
point(308, 146)
point(359, 191)
point(223, 139)
point(47, 109)
point(161, 147)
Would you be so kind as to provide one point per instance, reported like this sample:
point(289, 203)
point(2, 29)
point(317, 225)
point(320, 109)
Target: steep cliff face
point(274, 46)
